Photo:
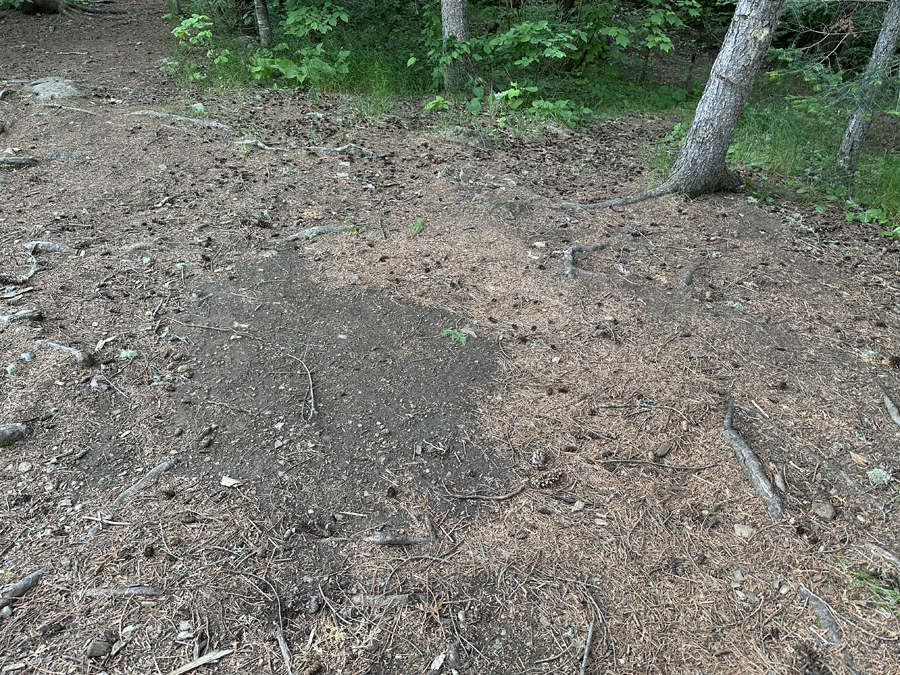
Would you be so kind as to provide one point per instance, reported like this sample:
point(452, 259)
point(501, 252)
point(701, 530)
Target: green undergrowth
point(788, 154)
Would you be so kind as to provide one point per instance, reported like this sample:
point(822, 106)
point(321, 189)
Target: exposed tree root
point(18, 589)
point(668, 187)
point(823, 613)
point(311, 232)
point(752, 467)
point(688, 277)
point(203, 123)
point(568, 258)
point(890, 405)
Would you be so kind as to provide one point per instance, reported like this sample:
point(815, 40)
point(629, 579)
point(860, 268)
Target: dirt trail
point(306, 399)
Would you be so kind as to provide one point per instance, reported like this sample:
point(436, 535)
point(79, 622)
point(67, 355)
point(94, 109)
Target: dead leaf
point(859, 459)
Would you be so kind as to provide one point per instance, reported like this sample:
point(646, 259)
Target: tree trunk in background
point(262, 21)
point(700, 166)
point(877, 70)
point(455, 23)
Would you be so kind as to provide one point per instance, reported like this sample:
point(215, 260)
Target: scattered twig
point(554, 658)
point(10, 433)
point(126, 592)
point(142, 246)
point(379, 600)
point(568, 258)
point(349, 147)
point(388, 539)
point(83, 359)
point(488, 498)
point(192, 120)
point(410, 558)
point(82, 662)
point(202, 661)
point(587, 649)
point(688, 277)
point(312, 398)
point(19, 588)
point(752, 467)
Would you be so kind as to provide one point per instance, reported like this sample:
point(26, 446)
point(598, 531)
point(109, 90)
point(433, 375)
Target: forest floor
point(305, 403)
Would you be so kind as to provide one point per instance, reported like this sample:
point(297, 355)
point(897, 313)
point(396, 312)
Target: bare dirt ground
point(305, 437)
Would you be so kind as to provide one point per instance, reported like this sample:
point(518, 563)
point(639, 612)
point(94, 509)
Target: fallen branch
point(22, 314)
point(46, 247)
point(568, 258)
point(887, 555)
point(890, 405)
point(10, 433)
point(285, 652)
point(659, 465)
point(65, 107)
point(752, 467)
point(344, 148)
point(202, 661)
point(666, 188)
point(838, 471)
point(587, 649)
point(19, 588)
point(143, 482)
point(262, 146)
point(126, 592)
point(313, 231)
point(388, 539)
point(17, 162)
point(83, 359)
point(488, 498)
point(192, 120)
point(822, 611)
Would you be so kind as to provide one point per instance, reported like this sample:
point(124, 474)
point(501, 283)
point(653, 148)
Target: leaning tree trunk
point(877, 70)
point(700, 166)
point(455, 23)
point(262, 21)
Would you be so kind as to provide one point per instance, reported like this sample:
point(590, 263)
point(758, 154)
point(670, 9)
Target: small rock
point(663, 450)
point(743, 531)
point(98, 648)
point(25, 467)
point(824, 510)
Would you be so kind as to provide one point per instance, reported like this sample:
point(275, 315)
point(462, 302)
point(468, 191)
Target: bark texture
point(700, 166)
point(455, 23)
point(876, 71)
point(262, 22)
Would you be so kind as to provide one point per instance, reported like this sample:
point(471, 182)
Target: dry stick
point(752, 467)
point(343, 148)
point(587, 649)
point(388, 539)
point(568, 258)
point(311, 232)
point(19, 588)
point(312, 398)
point(83, 359)
point(168, 116)
point(65, 107)
point(143, 482)
point(126, 592)
point(18, 161)
point(887, 555)
point(660, 465)
point(202, 661)
point(285, 652)
point(488, 498)
point(889, 404)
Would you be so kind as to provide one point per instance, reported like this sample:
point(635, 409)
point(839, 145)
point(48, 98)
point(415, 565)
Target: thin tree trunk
point(262, 21)
point(700, 166)
point(877, 70)
point(455, 23)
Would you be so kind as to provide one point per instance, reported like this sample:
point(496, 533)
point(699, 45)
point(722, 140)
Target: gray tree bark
point(876, 71)
point(262, 22)
point(700, 166)
point(455, 23)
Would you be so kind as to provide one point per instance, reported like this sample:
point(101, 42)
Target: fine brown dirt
point(322, 411)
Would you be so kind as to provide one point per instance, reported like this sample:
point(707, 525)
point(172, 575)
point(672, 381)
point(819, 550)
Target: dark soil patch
point(308, 403)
